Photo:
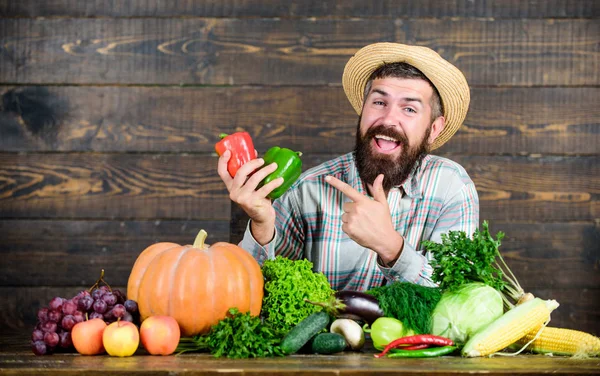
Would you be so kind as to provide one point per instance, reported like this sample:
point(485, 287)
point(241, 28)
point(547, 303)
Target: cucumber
point(329, 343)
point(303, 332)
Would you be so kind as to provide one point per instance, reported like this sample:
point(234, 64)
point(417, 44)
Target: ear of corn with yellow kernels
point(561, 341)
point(510, 327)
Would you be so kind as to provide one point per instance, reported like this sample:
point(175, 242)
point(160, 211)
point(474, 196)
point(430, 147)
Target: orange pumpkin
point(196, 284)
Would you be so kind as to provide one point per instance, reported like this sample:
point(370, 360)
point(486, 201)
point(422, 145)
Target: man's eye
point(409, 109)
point(379, 103)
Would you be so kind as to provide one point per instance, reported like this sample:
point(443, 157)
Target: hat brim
point(448, 80)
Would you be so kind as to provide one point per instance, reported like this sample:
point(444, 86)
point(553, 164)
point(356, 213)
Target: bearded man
point(360, 218)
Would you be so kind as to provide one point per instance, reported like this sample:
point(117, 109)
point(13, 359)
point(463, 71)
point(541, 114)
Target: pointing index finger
point(346, 189)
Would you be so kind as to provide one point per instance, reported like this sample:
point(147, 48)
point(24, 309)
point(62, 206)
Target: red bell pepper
point(241, 147)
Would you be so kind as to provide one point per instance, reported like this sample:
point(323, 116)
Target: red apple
point(87, 336)
point(160, 335)
point(121, 338)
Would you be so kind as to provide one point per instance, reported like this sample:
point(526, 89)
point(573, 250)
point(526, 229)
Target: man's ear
point(436, 128)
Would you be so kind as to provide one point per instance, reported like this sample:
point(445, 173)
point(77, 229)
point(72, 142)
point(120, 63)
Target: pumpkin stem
point(200, 238)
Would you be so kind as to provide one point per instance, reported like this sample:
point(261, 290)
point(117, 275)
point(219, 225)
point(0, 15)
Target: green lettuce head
point(462, 312)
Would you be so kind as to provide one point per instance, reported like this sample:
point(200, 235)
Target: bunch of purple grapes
point(55, 322)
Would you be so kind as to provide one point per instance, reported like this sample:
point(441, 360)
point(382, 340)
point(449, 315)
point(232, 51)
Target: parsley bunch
point(459, 260)
point(237, 336)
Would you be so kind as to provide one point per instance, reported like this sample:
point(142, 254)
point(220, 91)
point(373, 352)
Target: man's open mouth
point(386, 144)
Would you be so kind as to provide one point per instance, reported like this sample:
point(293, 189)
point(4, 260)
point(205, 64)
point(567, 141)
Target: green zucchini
point(329, 343)
point(304, 331)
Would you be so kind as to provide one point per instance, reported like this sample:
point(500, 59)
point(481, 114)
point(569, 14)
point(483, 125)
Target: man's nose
point(391, 117)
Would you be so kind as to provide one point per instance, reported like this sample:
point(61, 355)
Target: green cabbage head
point(462, 312)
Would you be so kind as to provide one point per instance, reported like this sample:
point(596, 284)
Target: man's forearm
point(262, 232)
point(390, 251)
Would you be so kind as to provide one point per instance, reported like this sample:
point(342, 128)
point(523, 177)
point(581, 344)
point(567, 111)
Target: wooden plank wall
point(110, 111)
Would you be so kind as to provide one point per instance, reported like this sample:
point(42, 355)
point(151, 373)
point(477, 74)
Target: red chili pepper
point(241, 147)
point(420, 339)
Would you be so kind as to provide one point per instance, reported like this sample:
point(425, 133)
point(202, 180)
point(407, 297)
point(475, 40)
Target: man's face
point(395, 129)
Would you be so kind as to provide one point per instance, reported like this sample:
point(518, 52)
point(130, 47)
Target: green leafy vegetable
point(459, 260)
point(410, 303)
point(239, 335)
point(463, 311)
point(287, 284)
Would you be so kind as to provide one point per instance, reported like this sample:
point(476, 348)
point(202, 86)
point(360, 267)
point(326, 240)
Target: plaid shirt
point(437, 197)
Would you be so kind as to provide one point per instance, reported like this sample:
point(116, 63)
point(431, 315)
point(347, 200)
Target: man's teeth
point(380, 136)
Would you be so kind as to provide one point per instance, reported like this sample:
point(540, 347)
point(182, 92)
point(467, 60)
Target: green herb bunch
point(408, 302)
point(237, 336)
point(461, 259)
point(287, 284)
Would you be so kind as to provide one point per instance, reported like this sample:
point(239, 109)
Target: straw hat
point(449, 81)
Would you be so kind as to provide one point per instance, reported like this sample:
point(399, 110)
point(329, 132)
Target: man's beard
point(394, 169)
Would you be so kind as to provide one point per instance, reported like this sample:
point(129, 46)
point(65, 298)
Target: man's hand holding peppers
point(368, 221)
point(243, 190)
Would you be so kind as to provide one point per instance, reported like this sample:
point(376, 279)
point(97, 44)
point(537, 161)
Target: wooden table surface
point(17, 359)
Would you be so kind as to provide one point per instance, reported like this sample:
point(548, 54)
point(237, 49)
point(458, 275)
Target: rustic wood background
point(110, 110)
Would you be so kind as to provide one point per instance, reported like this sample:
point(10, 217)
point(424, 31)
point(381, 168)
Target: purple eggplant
point(354, 305)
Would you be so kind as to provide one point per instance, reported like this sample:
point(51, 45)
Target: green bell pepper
point(387, 329)
point(289, 167)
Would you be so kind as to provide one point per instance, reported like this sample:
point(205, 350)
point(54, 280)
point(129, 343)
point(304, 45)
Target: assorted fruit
point(56, 325)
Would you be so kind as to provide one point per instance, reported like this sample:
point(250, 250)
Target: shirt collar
point(411, 185)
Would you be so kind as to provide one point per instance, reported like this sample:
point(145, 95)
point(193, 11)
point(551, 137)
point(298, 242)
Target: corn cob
point(510, 327)
point(561, 341)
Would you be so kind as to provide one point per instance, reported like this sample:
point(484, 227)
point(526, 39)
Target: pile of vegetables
point(476, 283)
point(475, 280)
point(245, 335)
point(473, 288)
point(392, 311)
point(478, 308)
